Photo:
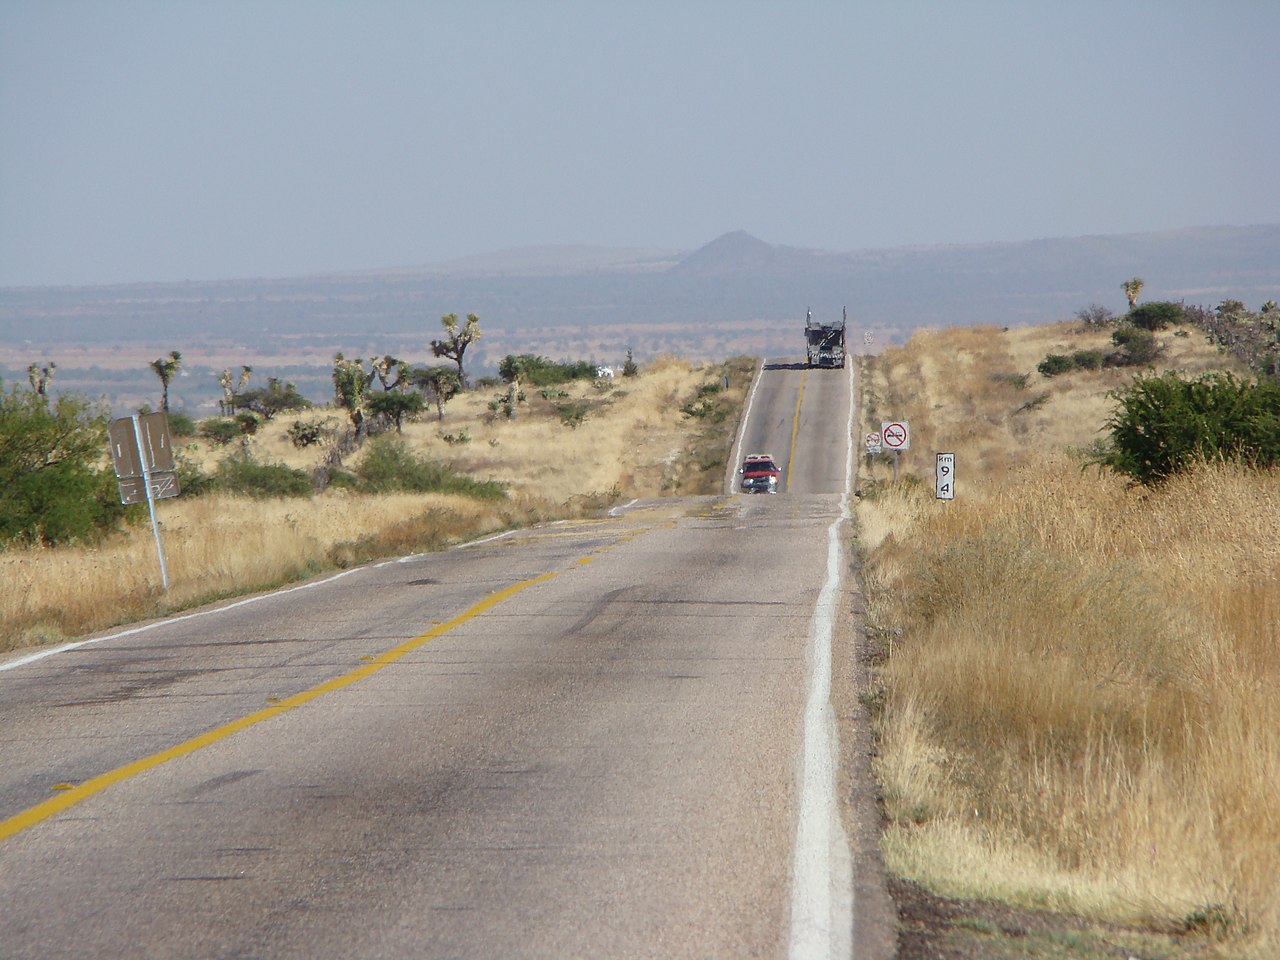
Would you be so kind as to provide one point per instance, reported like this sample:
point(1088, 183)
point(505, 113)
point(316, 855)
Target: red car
point(760, 474)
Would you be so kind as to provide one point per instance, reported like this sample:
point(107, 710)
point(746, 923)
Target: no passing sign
point(896, 435)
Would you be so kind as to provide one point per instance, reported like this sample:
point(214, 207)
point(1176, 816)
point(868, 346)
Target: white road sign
point(873, 443)
point(896, 435)
point(945, 476)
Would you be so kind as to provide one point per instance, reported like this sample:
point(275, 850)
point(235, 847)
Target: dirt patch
point(937, 928)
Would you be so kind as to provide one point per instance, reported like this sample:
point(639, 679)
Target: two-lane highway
point(591, 739)
point(801, 416)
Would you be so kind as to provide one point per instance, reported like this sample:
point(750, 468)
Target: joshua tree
point(350, 389)
point(40, 376)
point(397, 406)
point(438, 385)
point(166, 368)
point(232, 387)
point(385, 366)
point(456, 341)
point(1132, 287)
point(513, 369)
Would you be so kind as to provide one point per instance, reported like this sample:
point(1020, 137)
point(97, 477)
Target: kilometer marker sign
point(945, 476)
point(896, 435)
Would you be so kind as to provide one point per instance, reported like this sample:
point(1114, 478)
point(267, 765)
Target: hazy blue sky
point(175, 140)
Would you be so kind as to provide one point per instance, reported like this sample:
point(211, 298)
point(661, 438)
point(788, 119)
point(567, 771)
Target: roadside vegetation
point(1076, 664)
point(277, 489)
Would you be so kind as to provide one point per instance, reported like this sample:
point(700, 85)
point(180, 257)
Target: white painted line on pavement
point(822, 870)
point(735, 455)
point(476, 543)
point(63, 648)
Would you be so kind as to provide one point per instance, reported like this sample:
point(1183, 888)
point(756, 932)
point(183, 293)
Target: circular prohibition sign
point(895, 435)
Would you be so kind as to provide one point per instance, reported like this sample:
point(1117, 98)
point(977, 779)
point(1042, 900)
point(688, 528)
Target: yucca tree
point(350, 391)
point(166, 368)
point(457, 339)
point(39, 377)
point(231, 389)
point(1132, 287)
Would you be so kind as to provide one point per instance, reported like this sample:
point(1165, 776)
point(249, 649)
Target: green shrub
point(541, 372)
point(1054, 364)
point(343, 480)
point(1137, 347)
point(262, 480)
point(1156, 315)
point(192, 481)
point(181, 425)
point(276, 397)
point(219, 431)
point(248, 422)
point(706, 404)
point(52, 489)
point(1087, 359)
point(1231, 308)
point(389, 466)
point(306, 433)
point(572, 414)
point(1162, 424)
point(396, 406)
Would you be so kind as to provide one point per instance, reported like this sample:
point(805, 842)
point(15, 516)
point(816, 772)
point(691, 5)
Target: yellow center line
point(69, 795)
point(795, 429)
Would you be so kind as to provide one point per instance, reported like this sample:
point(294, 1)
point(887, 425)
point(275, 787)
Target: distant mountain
point(732, 253)
point(736, 294)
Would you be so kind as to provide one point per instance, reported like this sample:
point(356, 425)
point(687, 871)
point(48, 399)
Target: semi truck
point(824, 342)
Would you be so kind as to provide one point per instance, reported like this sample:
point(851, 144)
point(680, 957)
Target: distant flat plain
point(735, 295)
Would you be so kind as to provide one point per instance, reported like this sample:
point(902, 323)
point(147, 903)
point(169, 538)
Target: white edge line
point(133, 631)
point(736, 451)
point(822, 869)
point(469, 543)
point(618, 511)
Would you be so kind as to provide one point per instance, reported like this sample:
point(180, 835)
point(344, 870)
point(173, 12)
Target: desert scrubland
point(579, 449)
point(1076, 679)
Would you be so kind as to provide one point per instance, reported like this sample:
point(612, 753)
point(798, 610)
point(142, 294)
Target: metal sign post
point(142, 452)
point(873, 447)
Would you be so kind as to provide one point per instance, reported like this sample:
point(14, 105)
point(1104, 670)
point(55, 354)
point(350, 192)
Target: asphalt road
point(600, 739)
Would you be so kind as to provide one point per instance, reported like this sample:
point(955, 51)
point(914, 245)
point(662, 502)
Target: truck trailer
point(825, 342)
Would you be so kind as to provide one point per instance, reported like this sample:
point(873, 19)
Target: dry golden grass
point(1081, 679)
point(634, 442)
point(217, 546)
point(955, 388)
